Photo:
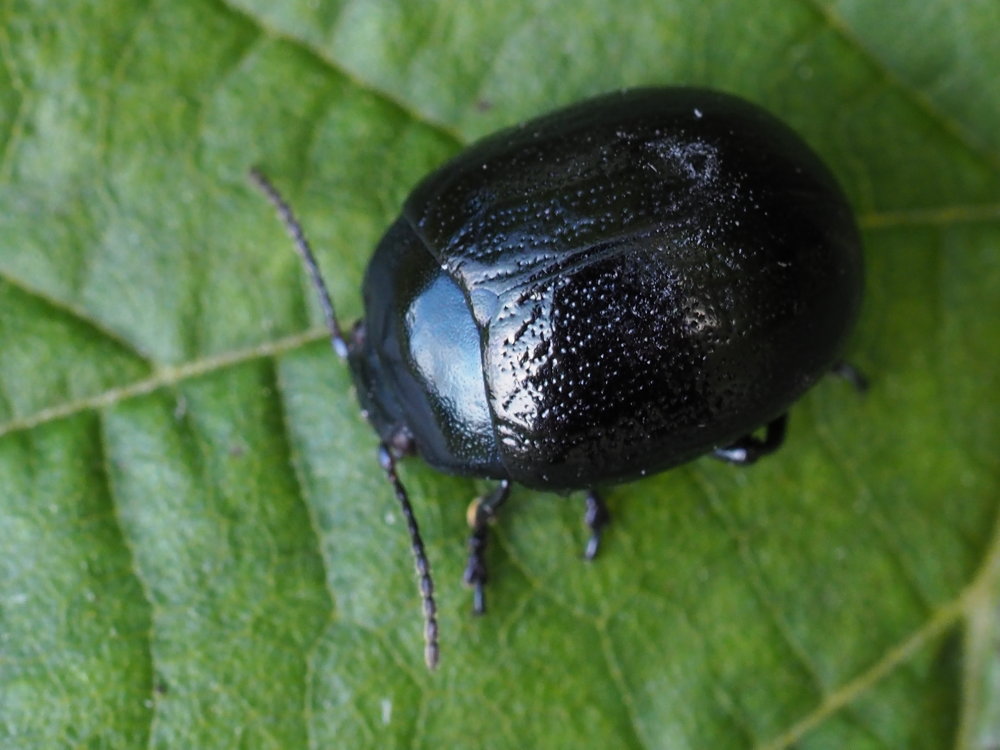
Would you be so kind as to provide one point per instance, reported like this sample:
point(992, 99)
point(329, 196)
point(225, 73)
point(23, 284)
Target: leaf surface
point(197, 548)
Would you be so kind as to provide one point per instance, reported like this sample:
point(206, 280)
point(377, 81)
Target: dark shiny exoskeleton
point(603, 293)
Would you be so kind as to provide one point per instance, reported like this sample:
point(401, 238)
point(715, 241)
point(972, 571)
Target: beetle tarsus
point(852, 374)
point(475, 570)
point(431, 651)
point(479, 597)
point(597, 517)
point(749, 448)
point(482, 511)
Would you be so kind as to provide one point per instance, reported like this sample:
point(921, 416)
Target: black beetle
point(599, 294)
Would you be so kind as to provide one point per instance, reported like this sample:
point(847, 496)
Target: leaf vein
point(144, 587)
point(932, 217)
point(17, 123)
point(77, 314)
point(757, 583)
point(922, 102)
point(118, 72)
point(618, 678)
point(978, 594)
point(331, 63)
point(298, 469)
point(873, 512)
point(944, 618)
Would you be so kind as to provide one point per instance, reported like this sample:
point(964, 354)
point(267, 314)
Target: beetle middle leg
point(850, 373)
point(596, 516)
point(749, 448)
point(482, 511)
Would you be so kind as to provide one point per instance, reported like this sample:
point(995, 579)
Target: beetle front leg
point(481, 513)
point(749, 448)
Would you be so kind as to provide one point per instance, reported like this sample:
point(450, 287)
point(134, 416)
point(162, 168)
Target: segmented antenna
point(385, 459)
point(388, 463)
point(294, 229)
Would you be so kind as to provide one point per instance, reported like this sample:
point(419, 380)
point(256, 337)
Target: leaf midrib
point(163, 377)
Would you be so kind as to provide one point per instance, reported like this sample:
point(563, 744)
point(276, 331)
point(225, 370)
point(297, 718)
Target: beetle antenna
point(294, 229)
point(388, 464)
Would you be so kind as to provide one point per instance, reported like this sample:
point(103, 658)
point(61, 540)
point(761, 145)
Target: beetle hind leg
point(597, 517)
point(481, 513)
point(749, 448)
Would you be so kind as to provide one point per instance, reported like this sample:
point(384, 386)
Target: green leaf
point(197, 548)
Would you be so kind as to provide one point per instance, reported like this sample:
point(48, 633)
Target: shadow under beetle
point(599, 294)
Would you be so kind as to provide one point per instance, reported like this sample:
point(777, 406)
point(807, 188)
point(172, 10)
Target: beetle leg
point(482, 511)
point(851, 374)
point(596, 516)
point(749, 448)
